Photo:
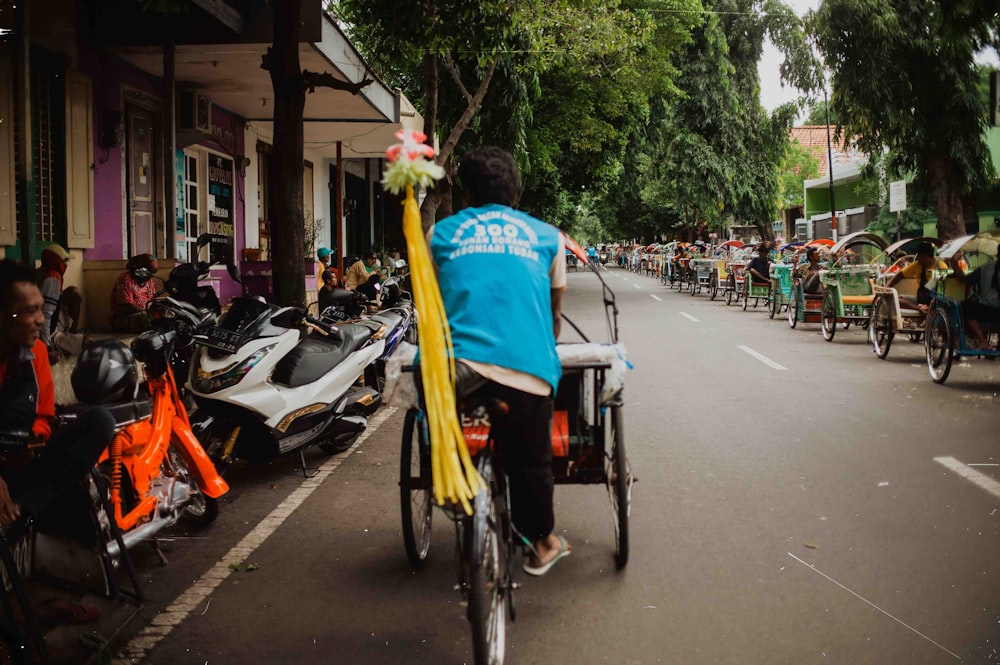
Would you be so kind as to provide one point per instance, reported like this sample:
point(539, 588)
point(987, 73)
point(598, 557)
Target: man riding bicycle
point(502, 276)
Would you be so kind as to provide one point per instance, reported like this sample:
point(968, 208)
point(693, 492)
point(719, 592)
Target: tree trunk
point(947, 197)
point(285, 210)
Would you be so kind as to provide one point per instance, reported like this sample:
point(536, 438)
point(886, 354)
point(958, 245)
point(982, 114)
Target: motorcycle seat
point(392, 320)
point(314, 356)
point(124, 413)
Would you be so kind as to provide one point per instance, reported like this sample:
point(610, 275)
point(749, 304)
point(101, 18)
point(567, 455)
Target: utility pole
point(829, 159)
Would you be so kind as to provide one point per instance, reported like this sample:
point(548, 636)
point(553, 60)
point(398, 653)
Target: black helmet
point(105, 372)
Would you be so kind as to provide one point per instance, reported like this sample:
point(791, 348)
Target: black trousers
point(524, 436)
point(68, 456)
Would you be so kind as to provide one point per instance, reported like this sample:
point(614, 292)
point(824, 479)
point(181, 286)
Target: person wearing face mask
point(132, 292)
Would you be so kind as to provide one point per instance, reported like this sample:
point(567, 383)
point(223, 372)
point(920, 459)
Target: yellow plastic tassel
point(455, 477)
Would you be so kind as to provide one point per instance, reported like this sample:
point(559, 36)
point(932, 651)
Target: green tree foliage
point(817, 114)
point(798, 166)
point(905, 80)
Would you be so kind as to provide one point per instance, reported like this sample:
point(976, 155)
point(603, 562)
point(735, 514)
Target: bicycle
point(485, 540)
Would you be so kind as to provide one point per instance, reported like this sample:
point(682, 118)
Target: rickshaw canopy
point(909, 245)
point(859, 238)
point(733, 243)
point(984, 242)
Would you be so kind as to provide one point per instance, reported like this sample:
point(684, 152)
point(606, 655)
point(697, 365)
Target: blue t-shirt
point(493, 267)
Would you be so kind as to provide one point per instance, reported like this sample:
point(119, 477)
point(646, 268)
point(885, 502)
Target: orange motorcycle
point(155, 469)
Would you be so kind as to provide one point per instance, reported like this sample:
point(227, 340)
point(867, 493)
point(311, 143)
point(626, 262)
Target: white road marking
point(688, 316)
point(655, 297)
point(862, 598)
point(973, 476)
point(626, 278)
point(637, 286)
point(164, 623)
point(761, 357)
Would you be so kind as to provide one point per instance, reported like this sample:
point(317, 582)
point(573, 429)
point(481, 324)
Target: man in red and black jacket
point(35, 465)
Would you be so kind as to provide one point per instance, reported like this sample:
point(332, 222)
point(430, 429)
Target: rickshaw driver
point(508, 341)
point(985, 308)
point(921, 269)
point(808, 273)
point(760, 266)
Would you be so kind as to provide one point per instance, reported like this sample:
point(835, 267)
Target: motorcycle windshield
point(247, 316)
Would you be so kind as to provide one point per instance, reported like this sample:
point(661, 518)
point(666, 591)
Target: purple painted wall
point(110, 76)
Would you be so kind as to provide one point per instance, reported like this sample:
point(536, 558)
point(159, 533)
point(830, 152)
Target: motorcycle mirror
point(234, 272)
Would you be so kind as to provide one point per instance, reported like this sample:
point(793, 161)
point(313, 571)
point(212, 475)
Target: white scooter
point(266, 388)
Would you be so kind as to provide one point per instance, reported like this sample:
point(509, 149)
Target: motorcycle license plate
point(224, 340)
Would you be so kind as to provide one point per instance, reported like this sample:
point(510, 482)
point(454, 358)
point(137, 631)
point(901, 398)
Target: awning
point(230, 76)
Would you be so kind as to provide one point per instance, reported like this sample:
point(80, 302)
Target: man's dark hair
point(12, 272)
point(489, 175)
point(370, 255)
point(925, 248)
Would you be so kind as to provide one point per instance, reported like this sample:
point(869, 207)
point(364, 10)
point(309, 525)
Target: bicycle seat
point(468, 383)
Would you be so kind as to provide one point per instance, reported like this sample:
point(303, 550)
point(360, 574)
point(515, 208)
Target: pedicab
point(752, 288)
point(701, 274)
point(889, 315)
point(718, 283)
point(735, 267)
point(781, 288)
point(849, 283)
point(945, 333)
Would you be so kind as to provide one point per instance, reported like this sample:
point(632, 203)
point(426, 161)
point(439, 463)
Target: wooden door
point(141, 176)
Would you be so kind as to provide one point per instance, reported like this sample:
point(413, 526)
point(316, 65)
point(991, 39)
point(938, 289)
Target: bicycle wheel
point(488, 570)
point(415, 494)
point(938, 346)
point(828, 321)
point(619, 486)
point(881, 328)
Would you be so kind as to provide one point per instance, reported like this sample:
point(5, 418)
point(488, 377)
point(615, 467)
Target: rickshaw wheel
point(829, 318)
point(415, 491)
point(746, 292)
point(938, 346)
point(620, 487)
point(793, 311)
point(772, 306)
point(713, 289)
point(881, 328)
point(730, 288)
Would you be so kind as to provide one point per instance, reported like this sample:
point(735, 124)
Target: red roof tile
point(814, 139)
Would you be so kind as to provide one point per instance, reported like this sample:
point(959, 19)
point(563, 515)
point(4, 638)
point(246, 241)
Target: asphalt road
point(790, 509)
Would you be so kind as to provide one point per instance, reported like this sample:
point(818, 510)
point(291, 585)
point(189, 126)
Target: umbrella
point(820, 242)
point(733, 243)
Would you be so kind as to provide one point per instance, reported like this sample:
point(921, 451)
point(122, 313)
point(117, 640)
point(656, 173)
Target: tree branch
point(450, 66)
point(474, 103)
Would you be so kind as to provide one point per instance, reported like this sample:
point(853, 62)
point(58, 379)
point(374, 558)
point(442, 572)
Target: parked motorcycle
point(396, 311)
point(155, 469)
point(265, 388)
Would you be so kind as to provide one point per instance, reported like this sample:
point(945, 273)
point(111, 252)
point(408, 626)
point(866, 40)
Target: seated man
point(36, 467)
point(132, 291)
point(359, 273)
point(808, 273)
point(983, 305)
point(921, 269)
point(759, 267)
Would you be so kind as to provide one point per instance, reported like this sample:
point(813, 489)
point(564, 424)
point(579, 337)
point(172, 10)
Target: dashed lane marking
point(636, 285)
point(165, 622)
point(655, 297)
point(970, 474)
point(761, 357)
point(688, 317)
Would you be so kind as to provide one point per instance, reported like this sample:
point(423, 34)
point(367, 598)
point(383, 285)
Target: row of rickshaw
point(855, 274)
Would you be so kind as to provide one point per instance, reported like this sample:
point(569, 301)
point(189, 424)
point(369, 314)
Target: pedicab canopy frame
point(978, 248)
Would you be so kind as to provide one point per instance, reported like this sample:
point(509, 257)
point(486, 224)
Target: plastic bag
point(400, 389)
